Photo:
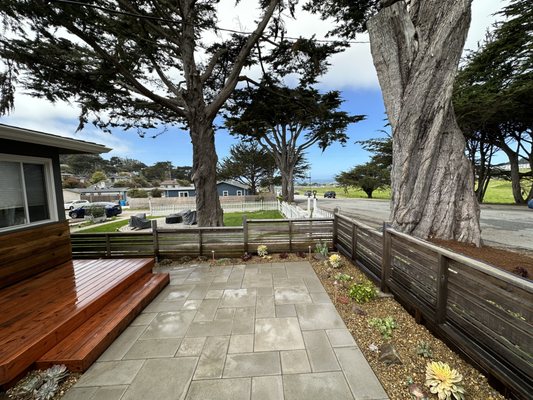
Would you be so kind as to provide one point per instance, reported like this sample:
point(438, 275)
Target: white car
point(75, 203)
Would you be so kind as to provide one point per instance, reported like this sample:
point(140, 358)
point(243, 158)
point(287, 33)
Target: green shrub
point(363, 291)
point(385, 326)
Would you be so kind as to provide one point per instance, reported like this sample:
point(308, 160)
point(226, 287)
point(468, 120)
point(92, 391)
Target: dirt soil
point(512, 261)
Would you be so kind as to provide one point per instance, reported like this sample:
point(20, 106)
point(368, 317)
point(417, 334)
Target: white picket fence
point(292, 212)
point(319, 213)
point(166, 209)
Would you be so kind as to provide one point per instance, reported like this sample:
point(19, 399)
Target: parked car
point(111, 209)
point(71, 205)
point(330, 195)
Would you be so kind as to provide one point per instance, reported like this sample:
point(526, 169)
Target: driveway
point(502, 225)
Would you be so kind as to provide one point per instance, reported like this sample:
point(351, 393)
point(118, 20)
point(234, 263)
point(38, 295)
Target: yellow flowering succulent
point(262, 250)
point(444, 381)
point(335, 260)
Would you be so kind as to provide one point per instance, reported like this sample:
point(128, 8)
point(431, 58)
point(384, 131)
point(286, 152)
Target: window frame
point(183, 194)
point(239, 193)
point(225, 193)
point(49, 182)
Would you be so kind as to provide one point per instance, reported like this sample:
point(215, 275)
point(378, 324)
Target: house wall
point(30, 251)
point(232, 190)
point(70, 196)
point(34, 150)
point(175, 192)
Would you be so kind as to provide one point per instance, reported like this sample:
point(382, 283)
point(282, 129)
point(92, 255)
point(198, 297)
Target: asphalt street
point(502, 225)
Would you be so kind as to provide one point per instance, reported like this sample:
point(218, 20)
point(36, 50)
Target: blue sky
point(351, 72)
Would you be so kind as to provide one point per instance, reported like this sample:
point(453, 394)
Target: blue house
point(224, 188)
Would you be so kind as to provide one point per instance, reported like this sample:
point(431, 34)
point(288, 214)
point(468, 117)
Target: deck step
point(83, 346)
point(37, 313)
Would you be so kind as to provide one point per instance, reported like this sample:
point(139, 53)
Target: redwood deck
point(71, 313)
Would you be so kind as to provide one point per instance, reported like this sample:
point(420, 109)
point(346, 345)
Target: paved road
point(502, 225)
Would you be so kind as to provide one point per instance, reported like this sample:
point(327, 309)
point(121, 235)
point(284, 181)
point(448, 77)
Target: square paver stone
point(110, 373)
point(153, 348)
point(252, 364)
point(218, 327)
point(278, 334)
point(220, 389)
point(285, 310)
point(241, 344)
point(318, 316)
point(95, 393)
point(122, 344)
point(294, 362)
point(319, 386)
point(360, 377)
point(267, 388)
point(291, 296)
point(163, 379)
point(239, 298)
point(191, 346)
point(171, 324)
point(340, 338)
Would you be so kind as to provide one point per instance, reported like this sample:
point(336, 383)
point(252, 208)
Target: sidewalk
point(263, 331)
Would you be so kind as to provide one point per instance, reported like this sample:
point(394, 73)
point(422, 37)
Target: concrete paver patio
point(254, 332)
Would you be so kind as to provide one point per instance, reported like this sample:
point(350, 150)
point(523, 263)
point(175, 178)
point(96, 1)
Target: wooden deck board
point(40, 312)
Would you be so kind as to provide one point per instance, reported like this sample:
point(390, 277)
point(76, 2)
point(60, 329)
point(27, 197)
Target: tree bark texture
point(204, 175)
point(416, 50)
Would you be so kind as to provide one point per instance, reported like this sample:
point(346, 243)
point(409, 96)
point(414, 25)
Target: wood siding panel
point(26, 253)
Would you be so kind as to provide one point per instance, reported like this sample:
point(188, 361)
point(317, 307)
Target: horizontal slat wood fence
point(485, 312)
point(279, 235)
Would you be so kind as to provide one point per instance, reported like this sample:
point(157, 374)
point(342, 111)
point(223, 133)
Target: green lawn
point(108, 227)
point(230, 219)
point(235, 219)
point(498, 192)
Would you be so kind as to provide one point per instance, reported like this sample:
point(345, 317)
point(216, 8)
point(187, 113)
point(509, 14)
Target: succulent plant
point(444, 381)
point(47, 390)
point(262, 250)
point(335, 260)
point(385, 326)
point(26, 388)
point(416, 391)
point(56, 373)
point(424, 349)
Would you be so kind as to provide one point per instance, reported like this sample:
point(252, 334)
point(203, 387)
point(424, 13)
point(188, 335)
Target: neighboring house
point(96, 193)
point(224, 188)
point(30, 176)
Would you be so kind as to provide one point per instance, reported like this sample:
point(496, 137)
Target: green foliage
point(95, 211)
point(98, 176)
point(137, 193)
point(286, 121)
point(385, 326)
point(248, 164)
point(363, 291)
point(368, 177)
point(424, 349)
point(156, 192)
point(71, 182)
point(322, 248)
point(343, 277)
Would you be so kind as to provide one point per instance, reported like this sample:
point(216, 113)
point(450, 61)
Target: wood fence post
point(155, 237)
point(335, 227)
point(386, 259)
point(290, 236)
point(442, 289)
point(354, 241)
point(200, 242)
point(245, 233)
point(107, 246)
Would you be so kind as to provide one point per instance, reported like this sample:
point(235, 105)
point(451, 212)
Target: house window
point(27, 196)
point(225, 193)
point(239, 192)
point(183, 194)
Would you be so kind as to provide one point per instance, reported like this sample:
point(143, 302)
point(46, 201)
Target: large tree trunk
point(515, 172)
point(416, 51)
point(204, 175)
